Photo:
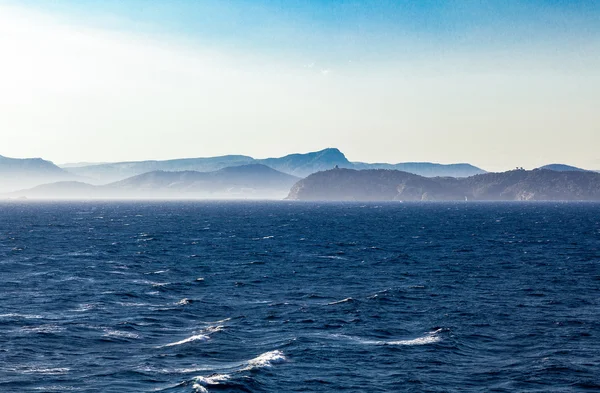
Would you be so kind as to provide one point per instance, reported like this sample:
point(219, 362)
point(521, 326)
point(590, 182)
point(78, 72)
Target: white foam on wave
point(200, 383)
point(197, 337)
point(119, 333)
point(214, 329)
point(20, 316)
point(45, 370)
point(346, 300)
point(429, 338)
point(265, 360)
point(217, 322)
point(43, 329)
point(57, 388)
point(85, 307)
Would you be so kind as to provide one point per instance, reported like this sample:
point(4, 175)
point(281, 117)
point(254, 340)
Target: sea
point(242, 296)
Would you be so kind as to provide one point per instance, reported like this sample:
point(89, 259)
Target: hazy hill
point(246, 181)
point(377, 185)
point(107, 173)
point(18, 173)
point(562, 168)
point(427, 169)
point(300, 165)
point(60, 190)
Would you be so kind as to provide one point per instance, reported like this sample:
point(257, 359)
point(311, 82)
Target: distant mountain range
point(208, 175)
point(300, 165)
point(245, 181)
point(392, 185)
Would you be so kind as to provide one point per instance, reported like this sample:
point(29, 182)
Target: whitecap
point(46, 371)
point(183, 302)
point(214, 379)
point(346, 300)
point(85, 307)
point(23, 316)
point(43, 329)
point(197, 337)
point(429, 339)
point(214, 329)
point(266, 360)
point(217, 322)
point(57, 388)
point(119, 333)
point(158, 272)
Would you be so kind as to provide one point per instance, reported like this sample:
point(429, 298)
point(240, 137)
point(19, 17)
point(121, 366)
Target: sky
point(497, 84)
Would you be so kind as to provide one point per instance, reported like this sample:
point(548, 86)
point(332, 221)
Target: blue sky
point(338, 29)
point(382, 80)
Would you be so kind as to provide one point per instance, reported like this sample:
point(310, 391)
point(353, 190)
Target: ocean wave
point(85, 307)
point(45, 370)
point(43, 329)
point(200, 383)
point(214, 329)
point(197, 337)
point(57, 388)
point(346, 300)
point(266, 360)
point(430, 338)
point(119, 333)
point(20, 316)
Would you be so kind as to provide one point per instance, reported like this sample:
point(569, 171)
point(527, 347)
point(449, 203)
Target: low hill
point(246, 181)
point(111, 172)
point(427, 169)
point(390, 185)
point(562, 168)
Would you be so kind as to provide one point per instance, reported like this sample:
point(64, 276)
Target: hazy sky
point(498, 84)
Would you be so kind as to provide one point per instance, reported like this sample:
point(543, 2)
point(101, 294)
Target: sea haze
point(299, 297)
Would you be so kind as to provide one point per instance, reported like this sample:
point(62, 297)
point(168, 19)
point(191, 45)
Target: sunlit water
point(299, 297)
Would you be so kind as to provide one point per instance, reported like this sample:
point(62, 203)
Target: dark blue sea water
point(299, 297)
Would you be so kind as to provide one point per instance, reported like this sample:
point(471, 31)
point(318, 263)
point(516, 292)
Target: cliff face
point(390, 185)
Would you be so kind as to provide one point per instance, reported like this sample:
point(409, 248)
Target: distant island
point(391, 185)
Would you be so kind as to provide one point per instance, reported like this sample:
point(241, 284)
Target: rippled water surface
point(299, 297)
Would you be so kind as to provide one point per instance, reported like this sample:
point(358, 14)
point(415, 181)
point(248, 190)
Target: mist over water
point(180, 296)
